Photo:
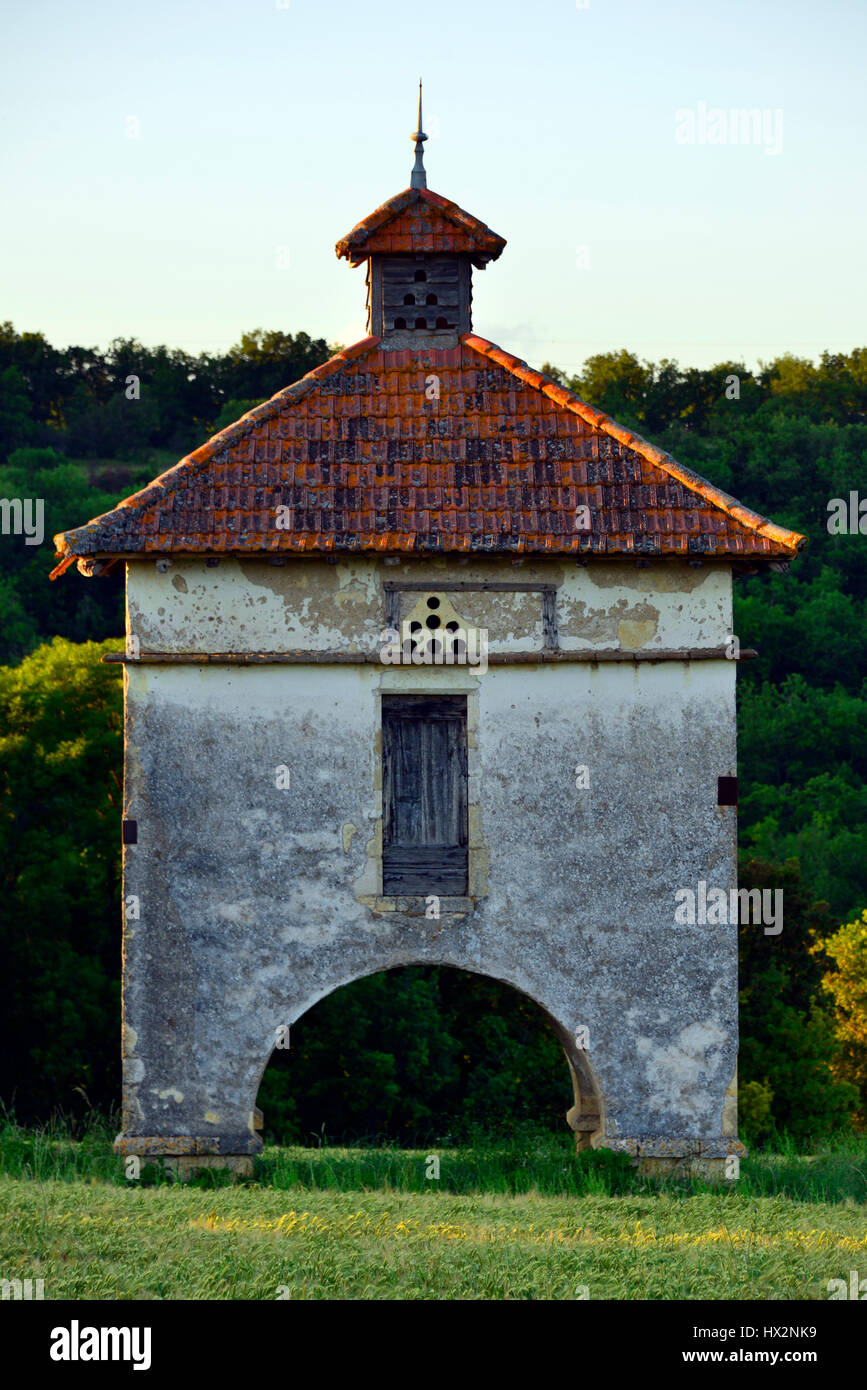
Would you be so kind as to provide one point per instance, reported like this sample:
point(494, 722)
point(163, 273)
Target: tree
point(76, 608)
point(16, 425)
point(37, 364)
point(262, 363)
point(232, 411)
point(846, 984)
point(617, 383)
point(417, 1054)
point(60, 808)
point(32, 461)
point(787, 1045)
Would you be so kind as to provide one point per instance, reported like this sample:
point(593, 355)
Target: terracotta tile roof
point(419, 220)
point(358, 458)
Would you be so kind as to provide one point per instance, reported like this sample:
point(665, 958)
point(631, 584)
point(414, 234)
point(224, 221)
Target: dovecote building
point(429, 661)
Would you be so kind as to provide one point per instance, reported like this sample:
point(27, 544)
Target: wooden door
point(424, 794)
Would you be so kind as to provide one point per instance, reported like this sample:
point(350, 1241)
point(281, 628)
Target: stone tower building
point(428, 661)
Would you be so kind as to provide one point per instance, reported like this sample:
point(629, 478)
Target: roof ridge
point(754, 521)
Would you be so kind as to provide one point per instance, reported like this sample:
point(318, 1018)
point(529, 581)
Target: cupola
point(420, 250)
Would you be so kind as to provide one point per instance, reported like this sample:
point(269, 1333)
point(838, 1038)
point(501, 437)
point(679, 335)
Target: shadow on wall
point(416, 1054)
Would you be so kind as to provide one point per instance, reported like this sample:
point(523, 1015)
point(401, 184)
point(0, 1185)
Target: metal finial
point(418, 177)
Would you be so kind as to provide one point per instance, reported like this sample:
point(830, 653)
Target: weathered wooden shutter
point(424, 794)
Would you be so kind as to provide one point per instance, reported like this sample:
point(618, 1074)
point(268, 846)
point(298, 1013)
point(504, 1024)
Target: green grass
point(523, 1219)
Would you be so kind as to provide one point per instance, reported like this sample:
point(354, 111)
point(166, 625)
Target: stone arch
point(586, 1115)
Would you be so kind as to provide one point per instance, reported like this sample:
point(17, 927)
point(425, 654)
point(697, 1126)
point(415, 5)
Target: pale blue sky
point(265, 133)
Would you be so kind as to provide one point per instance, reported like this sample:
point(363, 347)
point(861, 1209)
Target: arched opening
point(441, 322)
point(400, 323)
point(424, 1053)
point(420, 276)
point(431, 299)
point(421, 323)
point(409, 299)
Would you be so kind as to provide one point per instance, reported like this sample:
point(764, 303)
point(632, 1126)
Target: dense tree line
point(81, 429)
point(785, 440)
point(77, 400)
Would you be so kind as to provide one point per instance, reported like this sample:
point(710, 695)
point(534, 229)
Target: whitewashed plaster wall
point(310, 605)
point(257, 901)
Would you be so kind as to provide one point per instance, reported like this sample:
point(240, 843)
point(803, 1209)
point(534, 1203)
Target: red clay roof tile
point(363, 460)
point(420, 220)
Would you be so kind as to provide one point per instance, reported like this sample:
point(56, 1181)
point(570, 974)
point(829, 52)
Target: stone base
point(147, 1146)
point(189, 1165)
point(711, 1169)
point(183, 1155)
point(716, 1159)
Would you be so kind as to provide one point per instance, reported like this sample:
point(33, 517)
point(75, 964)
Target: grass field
point(523, 1220)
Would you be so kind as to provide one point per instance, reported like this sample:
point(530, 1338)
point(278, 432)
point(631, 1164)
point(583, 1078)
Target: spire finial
point(418, 177)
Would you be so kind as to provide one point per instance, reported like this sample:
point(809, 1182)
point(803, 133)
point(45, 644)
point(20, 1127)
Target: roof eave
point(412, 545)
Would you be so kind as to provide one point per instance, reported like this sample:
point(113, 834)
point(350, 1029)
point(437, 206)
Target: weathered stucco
point(255, 900)
point(310, 605)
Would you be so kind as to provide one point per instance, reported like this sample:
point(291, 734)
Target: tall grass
point(518, 1219)
point(527, 1163)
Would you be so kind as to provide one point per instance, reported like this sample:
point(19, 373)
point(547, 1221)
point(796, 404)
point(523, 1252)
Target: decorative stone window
point(434, 623)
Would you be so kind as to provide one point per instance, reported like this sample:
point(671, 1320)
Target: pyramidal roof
point(460, 449)
point(418, 220)
point(434, 448)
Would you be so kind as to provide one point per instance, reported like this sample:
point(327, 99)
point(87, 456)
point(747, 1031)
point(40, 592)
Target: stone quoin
point(293, 802)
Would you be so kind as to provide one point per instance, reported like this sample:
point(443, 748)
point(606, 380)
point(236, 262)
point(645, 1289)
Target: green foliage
point(17, 630)
point(30, 461)
point(416, 1053)
point(118, 425)
point(31, 607)
point(793, 1052)
point(232, 411)
point(263, 362)
point(788, 1045)
point(755, 1102)
point(16, 425)
point(76, 398)
point(847, 987)
point(659, 396)
point(60, 805)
